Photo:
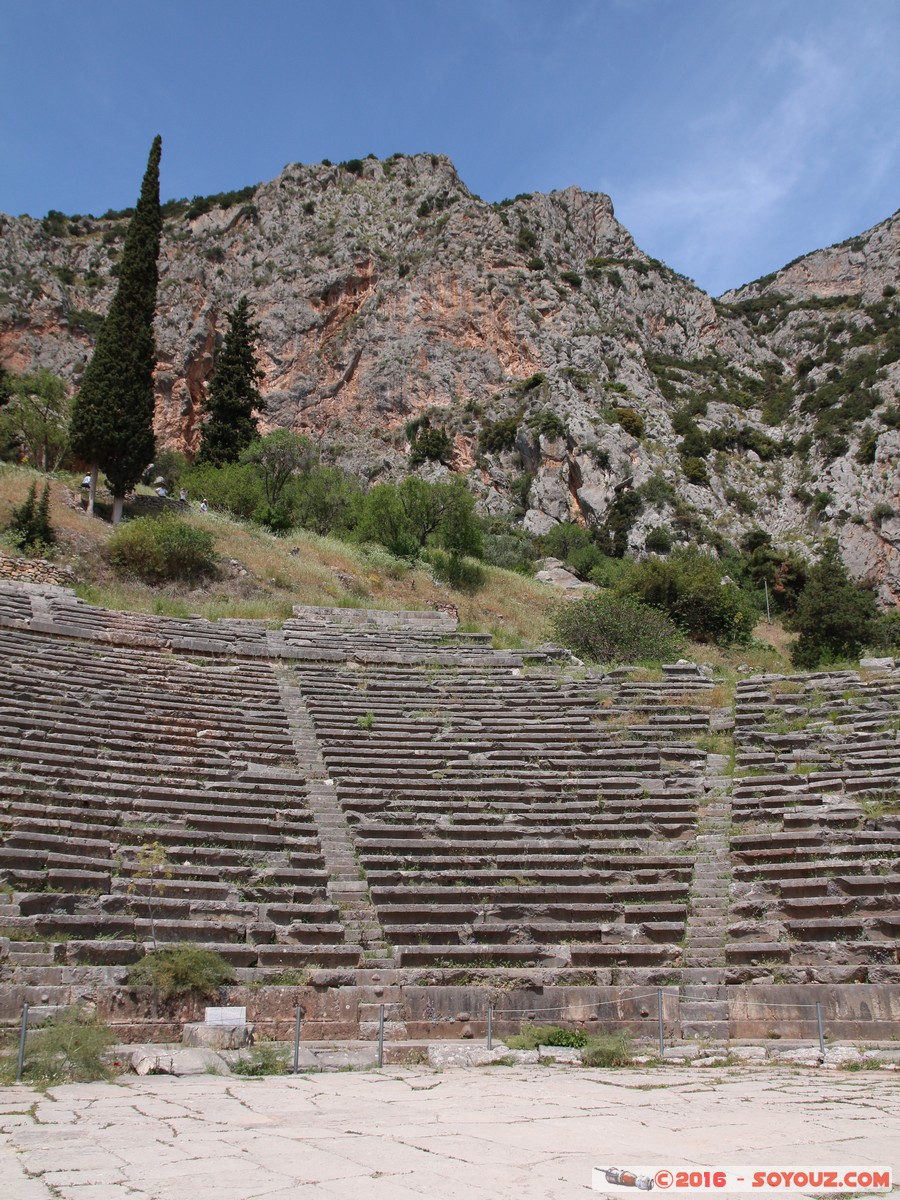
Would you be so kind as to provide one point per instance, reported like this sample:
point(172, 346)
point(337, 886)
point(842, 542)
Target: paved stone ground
point(503, 1133)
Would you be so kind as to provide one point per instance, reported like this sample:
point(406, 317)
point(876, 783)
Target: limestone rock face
point(386, 290)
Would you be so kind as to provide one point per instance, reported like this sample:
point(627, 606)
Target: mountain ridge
point(389, 294)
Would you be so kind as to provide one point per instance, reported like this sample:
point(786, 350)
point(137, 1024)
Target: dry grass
point(263, 576)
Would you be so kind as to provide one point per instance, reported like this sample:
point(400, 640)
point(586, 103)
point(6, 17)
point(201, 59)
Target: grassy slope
point(262, 576)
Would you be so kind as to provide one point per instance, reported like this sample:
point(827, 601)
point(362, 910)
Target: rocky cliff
point(569, 370)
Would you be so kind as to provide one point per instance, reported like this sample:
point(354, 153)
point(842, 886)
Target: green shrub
point(695, 443)
point(265, 1059)
point(432, 445)
point(608, 628)
point(621, 515)
point(460, 573)
point(547, 424)
point(695, 471)
point(327, 500)
point(632, 422)
point(234, 487)
point(608, 1050)
point(180, 970)
point(538, 379)
point(659, 539)
point(417, 514)
point(572, 278)
point(526, 239)
point(834, 618)
point(690, 587)
point(885, 636)
point(171, 466)
point(563, 540)
point(881, 512)
point(162, 549)
point(868, 445)
point(276, 518)
point(507, 546)
point(30, 528)
point(533, 1036)
point(67, 1049)
point(495, 436)
point(657, 491)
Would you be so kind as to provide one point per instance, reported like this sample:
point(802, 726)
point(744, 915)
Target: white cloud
point(748, 163)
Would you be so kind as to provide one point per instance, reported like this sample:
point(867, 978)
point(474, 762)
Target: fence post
point(490, 1044)
point(297, 1043)
point(22, 1036)
point(821, 1033)
point(659, 1013)
point(381, 1035)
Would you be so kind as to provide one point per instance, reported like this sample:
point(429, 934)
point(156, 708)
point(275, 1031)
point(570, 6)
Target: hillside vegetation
point(261, 575)
point(529, 347)
point(256, 574)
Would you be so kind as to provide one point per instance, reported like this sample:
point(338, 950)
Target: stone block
point(149, 1061)
point(460, 1054)
point(199, 1035)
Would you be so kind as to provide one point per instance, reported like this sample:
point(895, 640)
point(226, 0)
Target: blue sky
point(732, 135)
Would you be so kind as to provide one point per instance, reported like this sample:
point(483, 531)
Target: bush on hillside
point(327, 500)
point(508, 546)
point(608, 628)
point(575, 546)
point(235, 487)
point(690, 586)
point(430, 445)
point(162, 549)
point(417, 514)
point(30, 528)
point(463, 574)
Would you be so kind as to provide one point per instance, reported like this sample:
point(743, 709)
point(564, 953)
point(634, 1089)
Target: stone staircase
point(704, 1010)
point(345, 887)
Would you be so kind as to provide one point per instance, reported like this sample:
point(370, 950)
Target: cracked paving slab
point(529, 1133)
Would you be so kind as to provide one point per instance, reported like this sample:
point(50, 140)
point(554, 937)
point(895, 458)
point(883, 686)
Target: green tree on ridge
point(233, 397)
point(112, 419)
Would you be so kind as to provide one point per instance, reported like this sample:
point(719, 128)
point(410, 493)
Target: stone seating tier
point(501, 814)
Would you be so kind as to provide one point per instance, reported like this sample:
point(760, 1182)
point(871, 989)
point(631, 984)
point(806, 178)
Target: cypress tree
point(6, 388)
point(112, 420)
point(233, 395)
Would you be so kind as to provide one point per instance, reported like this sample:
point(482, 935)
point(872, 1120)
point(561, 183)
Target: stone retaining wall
point(35, 570)
point(350, 1012)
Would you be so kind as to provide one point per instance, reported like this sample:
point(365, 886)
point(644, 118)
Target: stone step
point(704, 1010)
point(715, 1030)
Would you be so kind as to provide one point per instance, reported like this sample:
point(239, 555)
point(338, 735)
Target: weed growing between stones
point(265, 1059)
point(608, 1050)
point(290, 977)
point(178, 971)
point(546, 1035)
point(67, 1049)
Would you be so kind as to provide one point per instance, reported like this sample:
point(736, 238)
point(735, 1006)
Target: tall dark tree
point(6, 386)
point(112, 421)
point(233, 396)
point(834, 617)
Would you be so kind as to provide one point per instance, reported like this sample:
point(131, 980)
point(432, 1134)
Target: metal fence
point(490, 1015)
